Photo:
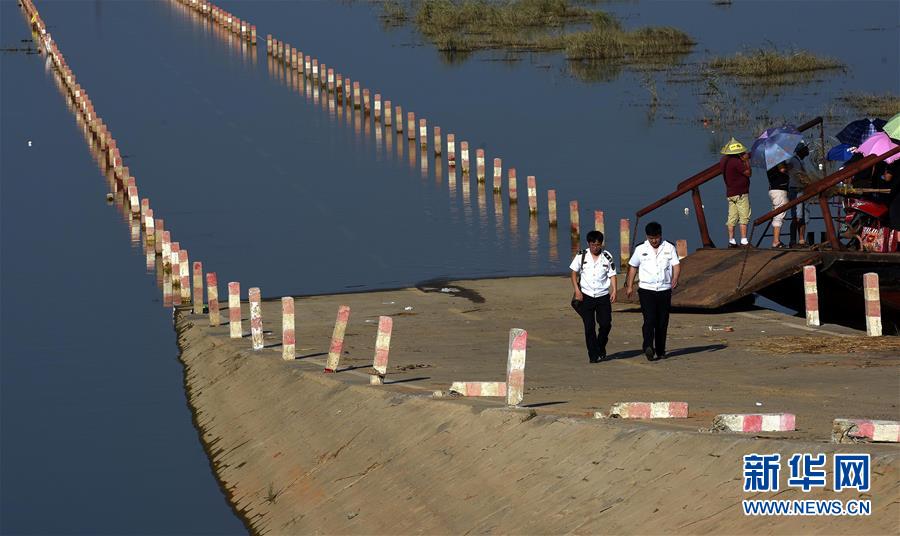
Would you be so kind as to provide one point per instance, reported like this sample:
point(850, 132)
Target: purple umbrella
point(879, 143)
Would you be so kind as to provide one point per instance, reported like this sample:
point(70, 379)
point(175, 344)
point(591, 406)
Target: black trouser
point(655, 305)
point(601, 310)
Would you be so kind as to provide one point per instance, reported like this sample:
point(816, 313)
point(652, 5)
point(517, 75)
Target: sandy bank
point(303, 452)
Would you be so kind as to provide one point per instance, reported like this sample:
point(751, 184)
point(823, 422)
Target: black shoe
point(648, 351)
point(661, 355)
point(594, 359)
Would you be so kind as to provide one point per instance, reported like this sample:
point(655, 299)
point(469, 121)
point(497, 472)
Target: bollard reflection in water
point(532, 240)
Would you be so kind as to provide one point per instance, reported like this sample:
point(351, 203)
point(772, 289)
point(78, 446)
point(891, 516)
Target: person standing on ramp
point(657, 265)
point(594, 280)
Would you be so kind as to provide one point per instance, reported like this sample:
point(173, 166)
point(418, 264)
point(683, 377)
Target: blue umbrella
point(840, 153)
point(859, 131)
point(774, 147)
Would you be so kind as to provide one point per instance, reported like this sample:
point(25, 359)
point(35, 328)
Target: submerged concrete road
point(461, 335)
point(302, 451)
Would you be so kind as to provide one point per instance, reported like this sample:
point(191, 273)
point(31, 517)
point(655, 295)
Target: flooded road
point(269, 185)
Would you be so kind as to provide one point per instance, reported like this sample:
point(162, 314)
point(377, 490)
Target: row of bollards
point(871, 298)
point(223, 18)
point(352, 94)
point(175, 270)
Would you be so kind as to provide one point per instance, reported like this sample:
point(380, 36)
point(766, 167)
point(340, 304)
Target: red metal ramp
point(712, 278)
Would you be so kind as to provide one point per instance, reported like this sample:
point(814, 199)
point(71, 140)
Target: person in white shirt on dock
point(594, 280)
point(656, 263)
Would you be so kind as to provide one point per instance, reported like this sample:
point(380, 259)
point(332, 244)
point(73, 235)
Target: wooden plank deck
point(712, 278)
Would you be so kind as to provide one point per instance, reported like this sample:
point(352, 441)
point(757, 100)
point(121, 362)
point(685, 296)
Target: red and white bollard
point(367, 106)
point(377, 107)
point(512, 188)
point(166, 251)
point(532, 194)
point(423, 134)
point(356, 98)
point(288, 335)
point(574, 224)
point(387, 113)
point(624, 242)
point(398, 110)
point(185, 273)
point(149, 228)
point(337, 339)
point(437, 141)
point(175, 275)
point(515, 367)
point(599, 223)
point(382, 349)
point(681, 248)
point(755, 422)
point(479, 165)
point(198, 288)
point(411, 126)
point(873, 304)
point(464, 156)
point(330, 82)
point(256, 325)
point(649, 410)
point(811, 292)
point(498, 175)
point(551, 207)
point(234, 310)
point(478, 388)
point(212, 296)
point(451, 150)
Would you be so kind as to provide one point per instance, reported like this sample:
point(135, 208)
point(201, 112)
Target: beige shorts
point(738, 210)
point(779, 198)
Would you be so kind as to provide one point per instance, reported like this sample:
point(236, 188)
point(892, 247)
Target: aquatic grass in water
point(611, 42)
point(873, 105)
point(770, 63)
point(537, 25)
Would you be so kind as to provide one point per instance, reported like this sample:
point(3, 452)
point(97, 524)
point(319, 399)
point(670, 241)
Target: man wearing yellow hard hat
point(735, 167)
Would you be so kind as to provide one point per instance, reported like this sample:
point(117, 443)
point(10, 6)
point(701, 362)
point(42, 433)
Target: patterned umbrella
point(858, 131)
point(879, 144)
point(775, 145)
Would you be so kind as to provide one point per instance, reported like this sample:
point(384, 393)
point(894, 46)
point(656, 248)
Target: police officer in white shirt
point(657, 265)
point(594, 293)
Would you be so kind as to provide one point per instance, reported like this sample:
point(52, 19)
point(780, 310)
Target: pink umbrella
point(878, 143)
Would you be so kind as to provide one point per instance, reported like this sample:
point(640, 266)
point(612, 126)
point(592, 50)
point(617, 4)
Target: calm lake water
point(267, 183)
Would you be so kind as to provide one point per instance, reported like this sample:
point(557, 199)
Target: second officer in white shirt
point(657, 265)
point(594, 280)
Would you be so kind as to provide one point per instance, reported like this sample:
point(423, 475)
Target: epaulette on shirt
point(608, 256)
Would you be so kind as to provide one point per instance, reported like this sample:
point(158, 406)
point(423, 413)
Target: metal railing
point(692, 184)
point(820, 188)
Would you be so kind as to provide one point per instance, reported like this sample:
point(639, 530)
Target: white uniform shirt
point(654, 267)
point(595, 276)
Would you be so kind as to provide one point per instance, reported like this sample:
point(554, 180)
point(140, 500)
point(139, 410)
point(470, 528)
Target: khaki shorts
point(738, 210)
point(779, 198)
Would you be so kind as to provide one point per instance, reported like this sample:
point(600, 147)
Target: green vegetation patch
point(537, 25)
point(770, 63)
